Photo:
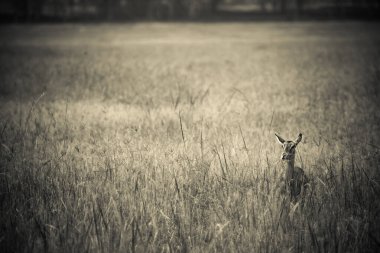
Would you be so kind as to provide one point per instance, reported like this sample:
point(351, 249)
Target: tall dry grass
point(159, 138)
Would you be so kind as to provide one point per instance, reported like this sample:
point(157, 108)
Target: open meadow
point(159, 137)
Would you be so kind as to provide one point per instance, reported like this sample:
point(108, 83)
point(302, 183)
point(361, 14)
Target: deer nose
point(283, 156)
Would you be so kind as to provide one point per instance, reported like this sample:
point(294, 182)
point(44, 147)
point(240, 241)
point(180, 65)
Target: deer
point(296, 180)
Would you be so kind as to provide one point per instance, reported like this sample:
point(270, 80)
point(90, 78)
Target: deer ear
point(299, 138)
point(279, 138)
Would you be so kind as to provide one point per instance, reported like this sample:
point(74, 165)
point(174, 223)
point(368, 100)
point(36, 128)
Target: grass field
point(160, 137)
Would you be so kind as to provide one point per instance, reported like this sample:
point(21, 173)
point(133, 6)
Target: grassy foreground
point(159, 137)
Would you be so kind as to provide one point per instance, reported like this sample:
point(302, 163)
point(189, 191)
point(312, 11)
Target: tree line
point(35, 10)
point(30, 10)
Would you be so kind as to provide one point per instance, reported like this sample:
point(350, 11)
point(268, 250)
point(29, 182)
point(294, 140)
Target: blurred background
point(127, 10)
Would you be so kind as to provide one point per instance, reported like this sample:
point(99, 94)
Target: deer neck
point(290, 169)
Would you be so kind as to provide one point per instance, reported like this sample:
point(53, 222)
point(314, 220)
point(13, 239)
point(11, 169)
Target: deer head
point(289, 147)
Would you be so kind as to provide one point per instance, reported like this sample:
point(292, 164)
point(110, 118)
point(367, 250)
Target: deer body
point(295, 177)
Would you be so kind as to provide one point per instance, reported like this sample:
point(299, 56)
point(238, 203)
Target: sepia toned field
point(160, 137)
